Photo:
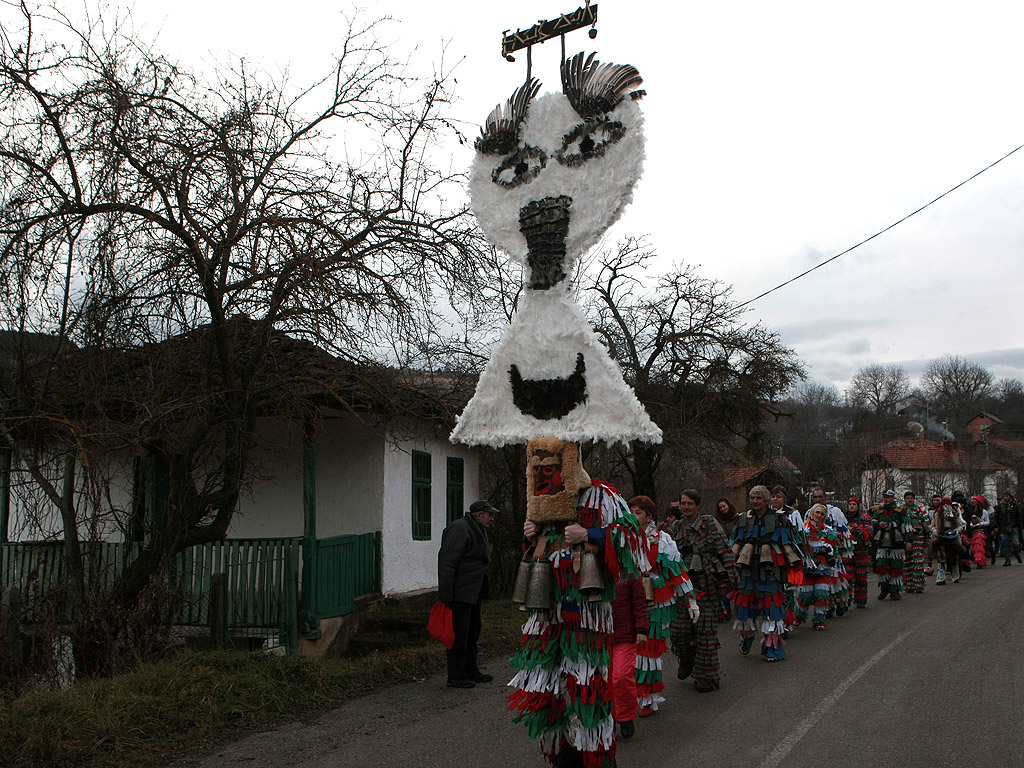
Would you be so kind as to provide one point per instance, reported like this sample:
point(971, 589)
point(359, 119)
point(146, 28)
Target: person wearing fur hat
point(889, 536)
point(768, 558)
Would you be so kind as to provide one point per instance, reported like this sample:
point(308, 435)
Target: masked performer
point(712, 567)
point(763, 543)
point(890, 540)
point(946, 541)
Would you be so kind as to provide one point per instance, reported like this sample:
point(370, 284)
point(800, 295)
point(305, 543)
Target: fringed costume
point(890, 540)
point(861, 530)
point(768, 561)
point(978, 544)
point(919, 533)
point(841, 597)
point(946, 544)
point(712, 568)
point(562, 670)
point(670, 584)
point(817, 593)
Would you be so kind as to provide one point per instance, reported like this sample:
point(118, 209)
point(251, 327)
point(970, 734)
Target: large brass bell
point(591, 580)
point(521, 589)
point(746, 555)
point(540, 595)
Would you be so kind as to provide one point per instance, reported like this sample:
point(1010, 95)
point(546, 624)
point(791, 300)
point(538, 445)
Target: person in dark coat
point(631, 625)
point(462, 585)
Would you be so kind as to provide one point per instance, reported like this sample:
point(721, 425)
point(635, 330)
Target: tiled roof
point(924, 454)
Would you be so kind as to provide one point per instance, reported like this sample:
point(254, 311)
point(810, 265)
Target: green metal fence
point(345, 568)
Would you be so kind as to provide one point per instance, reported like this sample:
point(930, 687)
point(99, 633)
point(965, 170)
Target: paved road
point(929, 682)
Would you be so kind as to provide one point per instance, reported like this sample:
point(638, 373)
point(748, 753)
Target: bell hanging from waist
point(696, 564)
point(540, 595)
point(521, 590)
point(591, 578)
point(792, 555)
point(648, 590)
point(746, 554)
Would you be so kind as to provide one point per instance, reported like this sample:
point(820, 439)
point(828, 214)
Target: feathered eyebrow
point(594, 88)
point(500, 134)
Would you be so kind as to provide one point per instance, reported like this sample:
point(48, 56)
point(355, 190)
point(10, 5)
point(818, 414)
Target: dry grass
point(193, 699)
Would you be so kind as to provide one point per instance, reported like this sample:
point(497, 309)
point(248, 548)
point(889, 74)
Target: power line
point(882, 232)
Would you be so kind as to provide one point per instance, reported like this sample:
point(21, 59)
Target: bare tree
point(879, 387)
point(707, 379)
point(170, 224)
point(955, 385)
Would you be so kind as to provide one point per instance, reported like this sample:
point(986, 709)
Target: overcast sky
point(778, 135)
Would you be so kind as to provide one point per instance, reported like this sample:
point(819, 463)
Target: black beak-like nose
point(545, 225)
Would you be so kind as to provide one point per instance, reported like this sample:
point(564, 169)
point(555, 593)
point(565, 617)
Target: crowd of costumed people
point(774, 568)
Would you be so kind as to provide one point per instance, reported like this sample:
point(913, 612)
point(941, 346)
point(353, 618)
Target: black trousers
point(462, 658)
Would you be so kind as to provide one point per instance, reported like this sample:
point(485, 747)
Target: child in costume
point(861, 530)
point(669, 583)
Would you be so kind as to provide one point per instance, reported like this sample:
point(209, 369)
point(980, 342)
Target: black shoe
point(481, 677)
point(1006, 563)
point(745, 646)
point(704, 686)
point(461, 684)
point(627, 729)
point(1019, 560)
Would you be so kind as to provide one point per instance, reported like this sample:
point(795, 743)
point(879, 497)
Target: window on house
point(420, 496)
point(455, 497)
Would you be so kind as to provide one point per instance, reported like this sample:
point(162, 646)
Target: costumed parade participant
point(861, 530)
point(726, 516)
point(819, 579)
point(889, 538)
point(779, 505)
point(979, 541)
point(550, 175)
point(919, 533)
point(933, 510)
point(712, 568)
point(669, 585)
point(840, 594)
point(768, 561)
point(946, 542)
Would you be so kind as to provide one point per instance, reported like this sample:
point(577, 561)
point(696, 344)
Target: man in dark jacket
point(1008, 524)
point(462, 584)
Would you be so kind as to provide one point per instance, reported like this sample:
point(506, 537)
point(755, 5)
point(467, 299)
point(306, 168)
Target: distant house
point(926, 467)
point(734, 483)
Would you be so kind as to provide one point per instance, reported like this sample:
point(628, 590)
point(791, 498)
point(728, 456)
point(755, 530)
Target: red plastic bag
point(440, 624)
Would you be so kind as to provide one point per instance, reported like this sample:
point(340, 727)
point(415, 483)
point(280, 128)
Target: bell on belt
point(696, 564)
point(521, 589)
point(540, 595)
point(745, 555)
point(591, 579)
point(766, 556)
point(648, 590)
point(792, 556)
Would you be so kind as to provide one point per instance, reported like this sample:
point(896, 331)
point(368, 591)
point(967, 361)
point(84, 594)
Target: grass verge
point(193, 699)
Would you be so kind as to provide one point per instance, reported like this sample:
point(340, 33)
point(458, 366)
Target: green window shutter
point(420, 496)
point(455, 497)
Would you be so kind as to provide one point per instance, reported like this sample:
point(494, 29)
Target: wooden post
point(10, 616)
point(218, 611)
point(308, 619)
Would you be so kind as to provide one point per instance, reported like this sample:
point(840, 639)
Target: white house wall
point(349, 480)
point(409, 565)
